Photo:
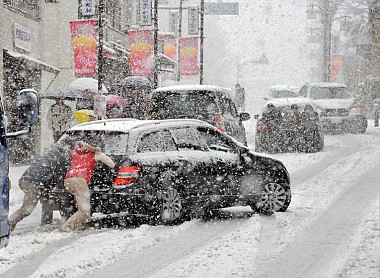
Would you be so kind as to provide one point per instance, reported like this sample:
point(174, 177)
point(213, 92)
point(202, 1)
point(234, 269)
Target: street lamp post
point(201, 42)
point(328, 11)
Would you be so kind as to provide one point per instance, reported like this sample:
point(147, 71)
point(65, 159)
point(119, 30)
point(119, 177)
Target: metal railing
point(27, 7)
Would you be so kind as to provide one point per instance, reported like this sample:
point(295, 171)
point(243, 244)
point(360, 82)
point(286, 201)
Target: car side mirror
point(28, 107)
point(244, 116)
point(256, 116)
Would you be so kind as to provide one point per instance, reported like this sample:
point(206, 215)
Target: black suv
point(212, 104)
point(173, 170)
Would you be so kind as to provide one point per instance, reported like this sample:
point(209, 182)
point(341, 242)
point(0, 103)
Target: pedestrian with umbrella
point(116, 107)
point(59, 118)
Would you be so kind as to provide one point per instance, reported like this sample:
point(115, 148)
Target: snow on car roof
point(212, 88)
point(289, 101)
point(328, 84)
point(283, 88)
point(125, 125)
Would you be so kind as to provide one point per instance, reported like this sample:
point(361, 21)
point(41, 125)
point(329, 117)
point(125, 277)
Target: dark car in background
point(276, 137)
point(336, 107)
point(172, 170)
point(212, 104)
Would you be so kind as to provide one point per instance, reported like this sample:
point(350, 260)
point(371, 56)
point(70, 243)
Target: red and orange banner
point(170, 45)
point(189, 56)
point(141, 48)
point(336, 66)
point(83, 38)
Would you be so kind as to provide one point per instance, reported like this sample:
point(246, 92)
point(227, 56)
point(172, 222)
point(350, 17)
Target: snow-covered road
point(331, 229)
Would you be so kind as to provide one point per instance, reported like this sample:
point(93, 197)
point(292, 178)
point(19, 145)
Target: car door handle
point(182, 158)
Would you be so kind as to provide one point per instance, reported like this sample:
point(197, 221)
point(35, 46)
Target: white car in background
point(336, 107)
point(282, 91)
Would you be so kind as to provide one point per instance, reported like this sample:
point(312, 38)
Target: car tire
point(275, 197)
point(171, 207)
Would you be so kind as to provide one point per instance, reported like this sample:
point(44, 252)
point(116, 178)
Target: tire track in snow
point(293, 223)
point(147, 262)
point(316, 250)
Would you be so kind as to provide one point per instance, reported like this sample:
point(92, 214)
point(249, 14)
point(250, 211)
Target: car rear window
point(183, 104)
point(329, 93)
point(283, 94)
point(111, 142)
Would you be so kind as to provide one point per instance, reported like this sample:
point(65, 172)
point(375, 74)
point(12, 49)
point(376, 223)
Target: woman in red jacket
point(83, 160)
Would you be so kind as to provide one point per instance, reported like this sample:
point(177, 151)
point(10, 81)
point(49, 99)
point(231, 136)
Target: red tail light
point(219, 123)
point(261, 128)
point(126, 175)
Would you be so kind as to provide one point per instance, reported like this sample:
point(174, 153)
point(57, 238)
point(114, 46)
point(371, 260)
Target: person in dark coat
point(308, 129)
point(272, 118)
point(44, 174)
point(291, 126)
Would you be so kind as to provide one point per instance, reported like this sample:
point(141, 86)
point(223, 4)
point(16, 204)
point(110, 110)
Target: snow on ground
point(233, 251)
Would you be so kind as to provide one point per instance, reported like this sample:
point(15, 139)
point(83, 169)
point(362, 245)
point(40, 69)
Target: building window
point(30, 8)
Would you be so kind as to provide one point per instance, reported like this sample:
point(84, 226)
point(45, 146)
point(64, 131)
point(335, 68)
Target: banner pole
point(201, 42)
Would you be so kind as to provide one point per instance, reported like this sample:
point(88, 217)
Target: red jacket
point(82, 163)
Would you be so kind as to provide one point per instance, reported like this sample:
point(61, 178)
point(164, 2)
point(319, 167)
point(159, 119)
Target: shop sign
point(22, 37)
point(189, 56)
point(193, 27)
point(173, 22)
point(83, 38)
point(141, 46)
point(88, 7)
point(145, 12)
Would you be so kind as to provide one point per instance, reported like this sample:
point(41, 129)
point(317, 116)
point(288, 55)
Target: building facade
point(37, 52)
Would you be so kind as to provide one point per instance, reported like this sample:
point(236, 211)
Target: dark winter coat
point(309, 120)
point(48, 171)
point(272, 118)
point(292, 120)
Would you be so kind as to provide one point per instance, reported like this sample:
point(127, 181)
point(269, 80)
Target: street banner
point(189, 56)
point(141, 48)
point(83, 38)
point(145, 12)
point(336, 66)
point(170, 45)
point(173, 21)
point(193, 28)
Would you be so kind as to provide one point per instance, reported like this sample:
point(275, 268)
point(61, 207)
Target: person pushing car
point(83, 160)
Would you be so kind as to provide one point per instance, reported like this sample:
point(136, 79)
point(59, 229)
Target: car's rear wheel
point(171, 207)
point(274, 197)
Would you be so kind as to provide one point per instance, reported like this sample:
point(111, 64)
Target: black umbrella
point(136, 83)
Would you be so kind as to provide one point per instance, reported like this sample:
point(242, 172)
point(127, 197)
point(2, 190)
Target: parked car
point(336, 107)
point(273, 134)
point(171, 170)
point(282, 91)
point(212, 104)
